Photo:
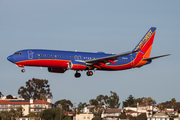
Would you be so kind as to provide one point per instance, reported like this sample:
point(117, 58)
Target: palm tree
point(43, 98)
point(173, 101)
point(19, 112)
point(12, 113)
point(160, 106)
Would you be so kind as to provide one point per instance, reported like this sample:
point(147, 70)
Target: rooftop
point(22, 102)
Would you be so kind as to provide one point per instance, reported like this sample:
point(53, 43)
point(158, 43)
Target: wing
point(104, 60)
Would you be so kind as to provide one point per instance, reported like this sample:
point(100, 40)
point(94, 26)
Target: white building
point(160, 116)
point(130, 108)
point(83, 116)
point(111, 113)
point(148, 109)
point(29, 106)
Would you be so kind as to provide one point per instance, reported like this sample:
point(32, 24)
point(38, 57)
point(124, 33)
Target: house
point(130, 108)
point(88, 108)
point(69, 113)
point(160, 116)
point(133, 113)
point(170, 111)
point(83, 116)
point(111, 113)
point(29, 106)
point(148, 109)
point(178, 118)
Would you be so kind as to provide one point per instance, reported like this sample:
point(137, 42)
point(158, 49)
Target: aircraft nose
point(10, 58)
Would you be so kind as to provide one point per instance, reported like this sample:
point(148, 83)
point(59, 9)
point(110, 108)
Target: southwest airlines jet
point(59, 61)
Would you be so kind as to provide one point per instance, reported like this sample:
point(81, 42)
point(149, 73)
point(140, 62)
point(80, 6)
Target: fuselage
point(60, 59)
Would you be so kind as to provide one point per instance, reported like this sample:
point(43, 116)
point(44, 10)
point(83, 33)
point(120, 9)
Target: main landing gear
point(77, 75)
point(89, 73)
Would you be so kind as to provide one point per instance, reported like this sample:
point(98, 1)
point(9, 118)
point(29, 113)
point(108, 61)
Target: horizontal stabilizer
point(147, 59)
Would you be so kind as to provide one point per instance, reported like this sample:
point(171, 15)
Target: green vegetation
point(34, 89)
point(4, 115)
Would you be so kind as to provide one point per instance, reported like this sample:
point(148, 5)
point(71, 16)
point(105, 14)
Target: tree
point(166, 104)
point(138, 100)
point(67, 117)
point(130, 117)
point(19, 112)
point(103, 100)
point(97, 110)
point(5, 115)
point(142, 116)
point(173, 102)
point(111, 101)
point(122, 116)
point(32, 115)
point(48, 114)
point(65, 104)
point(160, 106)
point(130, 101)
point(10, 97)
point(1, 95)
point(34, 89)
point(97, 118)
point(12, 114)
point(81, 106)
point(43, 97)
point(58, 113)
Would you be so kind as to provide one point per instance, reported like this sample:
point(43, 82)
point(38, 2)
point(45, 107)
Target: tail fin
point(146, 42)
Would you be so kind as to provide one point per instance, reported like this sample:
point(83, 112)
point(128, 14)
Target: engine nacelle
point(76, 65)
point(56, 70)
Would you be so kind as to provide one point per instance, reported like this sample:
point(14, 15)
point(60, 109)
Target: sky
point(92, 25)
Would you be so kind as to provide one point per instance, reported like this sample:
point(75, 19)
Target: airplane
point(59, 61)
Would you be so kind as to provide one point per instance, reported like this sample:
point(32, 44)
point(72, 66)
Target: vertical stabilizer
point(146, 42)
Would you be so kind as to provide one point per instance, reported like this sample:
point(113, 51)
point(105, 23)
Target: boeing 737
point(59, 61)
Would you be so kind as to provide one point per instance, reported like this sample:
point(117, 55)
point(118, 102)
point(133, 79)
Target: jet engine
point(56, 70)
point(76, 65)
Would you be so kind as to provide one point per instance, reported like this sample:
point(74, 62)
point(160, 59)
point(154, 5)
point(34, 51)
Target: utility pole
point(60, 112)
point(74, 107)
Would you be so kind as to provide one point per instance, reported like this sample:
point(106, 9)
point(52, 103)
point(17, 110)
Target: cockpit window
point(18, 53)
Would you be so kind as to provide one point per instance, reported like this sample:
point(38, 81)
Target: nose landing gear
point(23, 70)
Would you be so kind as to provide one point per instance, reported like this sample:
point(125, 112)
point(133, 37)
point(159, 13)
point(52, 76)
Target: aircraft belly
point(46, 63)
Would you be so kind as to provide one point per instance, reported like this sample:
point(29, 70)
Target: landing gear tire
point(77, 75)
point(89, 73)
point(23, 70)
